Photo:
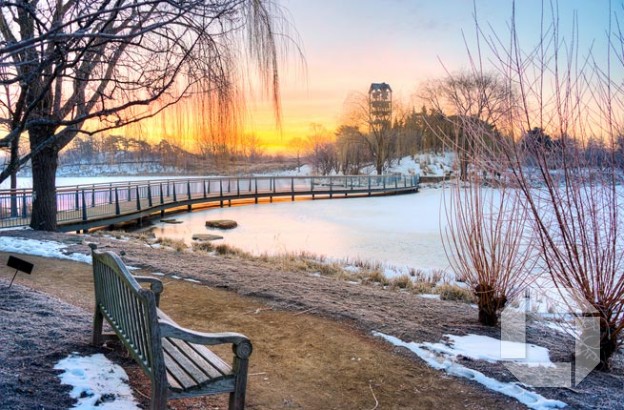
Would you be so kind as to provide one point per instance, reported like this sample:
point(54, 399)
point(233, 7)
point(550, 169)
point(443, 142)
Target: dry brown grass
point(177, 244)
point(454, 293)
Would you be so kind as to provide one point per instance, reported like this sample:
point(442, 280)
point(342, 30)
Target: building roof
point(379, 87)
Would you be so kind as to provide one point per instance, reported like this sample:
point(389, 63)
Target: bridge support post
point(312, 187)
point(84, 206)
point(221, 192)
point(138, 199)
point(188, 191)
point(24, 205)
point(331, 188)
point(93, 197)
point(369, 185)
point(149, 195)
point(117, 210)
point(256, 190)
point(292, 189)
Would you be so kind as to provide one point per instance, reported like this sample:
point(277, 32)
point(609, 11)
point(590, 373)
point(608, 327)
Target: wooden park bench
point(176, 359)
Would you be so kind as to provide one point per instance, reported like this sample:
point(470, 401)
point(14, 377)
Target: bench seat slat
point(192, 365)
point(178, 379)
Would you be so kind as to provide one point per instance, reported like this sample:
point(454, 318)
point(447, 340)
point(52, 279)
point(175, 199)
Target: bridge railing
point(107, 200)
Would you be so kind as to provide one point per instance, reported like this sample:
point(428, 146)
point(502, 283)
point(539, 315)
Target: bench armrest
point(241, 344)
point(156, 286)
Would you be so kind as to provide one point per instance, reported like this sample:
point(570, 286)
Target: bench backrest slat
point(130, 309)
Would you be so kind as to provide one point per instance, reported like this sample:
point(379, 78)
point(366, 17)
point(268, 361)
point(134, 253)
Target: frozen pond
point(399, 230)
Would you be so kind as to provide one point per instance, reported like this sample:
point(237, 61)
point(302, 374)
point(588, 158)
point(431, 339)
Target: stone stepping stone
point(221, 224)
point(170, 221)
point(206, 237)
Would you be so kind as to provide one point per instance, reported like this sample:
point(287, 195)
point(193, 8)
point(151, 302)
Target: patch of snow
point(47, 249)
point(351, 269)
point(478, 347)
point(429, 296)
point(530, 399)
point(158, 274)
point(96, 383)
point(391, 271)
point(302, 171)
point(192, 280)
point(16, 228)
point(176, 277)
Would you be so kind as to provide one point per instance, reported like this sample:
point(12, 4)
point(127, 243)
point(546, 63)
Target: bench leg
point(159, 398)
point(97, 327)
point(237, 397)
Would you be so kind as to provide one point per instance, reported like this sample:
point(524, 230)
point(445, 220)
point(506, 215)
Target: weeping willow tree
point(67, 65)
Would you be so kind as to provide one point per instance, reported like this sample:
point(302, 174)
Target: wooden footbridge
point(84, 207)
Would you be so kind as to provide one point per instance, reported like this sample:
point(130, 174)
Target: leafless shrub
point(574, 198)
point(487, 244)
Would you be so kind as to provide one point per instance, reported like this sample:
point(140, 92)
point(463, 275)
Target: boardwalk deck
point(84, 207)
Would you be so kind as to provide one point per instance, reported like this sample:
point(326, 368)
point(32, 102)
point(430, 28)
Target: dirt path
point(311, 334)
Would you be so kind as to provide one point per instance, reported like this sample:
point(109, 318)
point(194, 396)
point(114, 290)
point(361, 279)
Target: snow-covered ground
point(97, 383)
point(443, 357)
point(46, 249)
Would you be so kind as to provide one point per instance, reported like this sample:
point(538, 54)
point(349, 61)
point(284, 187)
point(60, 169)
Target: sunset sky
point(350, 43)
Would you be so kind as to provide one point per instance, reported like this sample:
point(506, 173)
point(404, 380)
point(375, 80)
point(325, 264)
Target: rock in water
point(206, 237)
point(170, 221)
point(221, 224)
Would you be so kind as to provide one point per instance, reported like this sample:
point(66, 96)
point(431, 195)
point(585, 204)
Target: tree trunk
point(14, 159)
point(608, 343)
point(44, 209)
point(489, 304)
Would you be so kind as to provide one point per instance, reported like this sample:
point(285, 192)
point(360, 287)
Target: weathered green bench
point(176, 359)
